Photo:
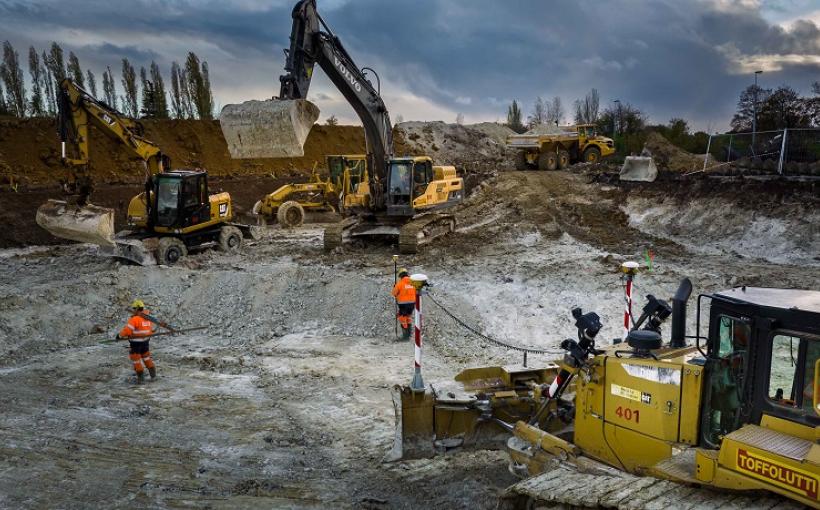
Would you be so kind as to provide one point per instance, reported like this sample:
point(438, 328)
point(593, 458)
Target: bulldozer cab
point(407, 179)
point(762, 354)
point(181, 199)
point(350, 169)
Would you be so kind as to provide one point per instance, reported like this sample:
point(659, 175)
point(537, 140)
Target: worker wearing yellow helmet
point(405, 294)
point(138, 331)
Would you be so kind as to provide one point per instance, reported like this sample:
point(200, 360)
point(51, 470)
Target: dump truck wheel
point(592, 155)
point(230, 238)
point(521, 161)
point(170, 250)
point(563, 159)
point(290, 214)
point(548, 161)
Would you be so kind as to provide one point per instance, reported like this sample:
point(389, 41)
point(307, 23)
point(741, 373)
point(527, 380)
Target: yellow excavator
point(174, 214)
point(400, 197)
point(647, 423)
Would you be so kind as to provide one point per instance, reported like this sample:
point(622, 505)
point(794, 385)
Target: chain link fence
point(789, 152)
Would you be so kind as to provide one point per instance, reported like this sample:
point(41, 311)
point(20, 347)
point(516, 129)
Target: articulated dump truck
point(732, 420)
point(555, 149)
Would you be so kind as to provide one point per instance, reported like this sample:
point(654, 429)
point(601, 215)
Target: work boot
point(140, 377)
point(152, 371)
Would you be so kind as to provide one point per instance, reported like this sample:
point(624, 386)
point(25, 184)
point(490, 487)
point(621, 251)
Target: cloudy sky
point(438, 58)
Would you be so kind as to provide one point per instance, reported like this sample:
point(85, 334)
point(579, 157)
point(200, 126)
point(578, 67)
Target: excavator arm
point(261, 128)
point(77, 111)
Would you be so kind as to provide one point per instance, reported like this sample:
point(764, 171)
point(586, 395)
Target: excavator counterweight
point(268, 129)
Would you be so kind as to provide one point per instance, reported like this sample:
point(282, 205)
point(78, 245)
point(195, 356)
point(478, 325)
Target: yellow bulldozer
point(646, 423)
point(401, 198)
point(174, 214)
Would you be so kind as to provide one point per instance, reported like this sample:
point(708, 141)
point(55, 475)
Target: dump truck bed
point(535, 141)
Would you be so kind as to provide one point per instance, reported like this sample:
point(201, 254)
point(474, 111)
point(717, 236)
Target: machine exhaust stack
point(268, 129)
point(678, 338)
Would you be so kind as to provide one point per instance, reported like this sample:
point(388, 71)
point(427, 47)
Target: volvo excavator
point(399, 197)
point(731, 420)
point(174, 214)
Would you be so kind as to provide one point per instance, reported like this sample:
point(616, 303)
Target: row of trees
point(143, 94)
point(776, 109)
point(552, 112)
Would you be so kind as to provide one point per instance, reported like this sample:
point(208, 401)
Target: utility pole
point(754, 115)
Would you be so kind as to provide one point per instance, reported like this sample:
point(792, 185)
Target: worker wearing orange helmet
point(405, 294)
point(138, 331)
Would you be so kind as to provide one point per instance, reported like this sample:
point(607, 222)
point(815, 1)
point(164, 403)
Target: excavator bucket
point(268, 129)
point(639, 168)
point(86, 224)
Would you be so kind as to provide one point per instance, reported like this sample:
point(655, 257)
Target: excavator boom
point(78, 220)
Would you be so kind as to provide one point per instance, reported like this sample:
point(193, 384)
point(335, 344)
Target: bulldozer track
point(623, 491)
point(424, 229)
point(333, 236)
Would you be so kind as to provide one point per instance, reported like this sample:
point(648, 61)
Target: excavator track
point(334, 235)
point(424, 229)
point(565, 486)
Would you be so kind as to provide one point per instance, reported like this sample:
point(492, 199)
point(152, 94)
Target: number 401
point(628, 414)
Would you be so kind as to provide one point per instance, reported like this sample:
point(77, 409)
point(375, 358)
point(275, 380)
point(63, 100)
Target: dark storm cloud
point(671, 58)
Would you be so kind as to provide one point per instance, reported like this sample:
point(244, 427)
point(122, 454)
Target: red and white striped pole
point(630, 269)
point(419, 281)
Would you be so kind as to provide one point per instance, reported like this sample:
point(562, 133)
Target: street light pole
point(754, 115)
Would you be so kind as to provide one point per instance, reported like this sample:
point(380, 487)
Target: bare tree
point(4, 109)
point(177, 107)
point(74, 70)
point(539, 113)
point(460, 118)
point(35, 71)
point(109, 88)
point(586, 110)
point(129, 85)
point(12, 75)
point(555, 111)
point(399, 119)
point(92, 82)
point(332, 121)
point(56, 65)
point(49, 86)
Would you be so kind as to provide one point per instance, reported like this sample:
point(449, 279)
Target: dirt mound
point(30, 151)
point(670, 157)
point(477, 151)
point(549, 129)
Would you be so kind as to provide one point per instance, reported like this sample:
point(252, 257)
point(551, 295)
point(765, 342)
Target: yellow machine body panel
point(445, 184)
point(221, 211)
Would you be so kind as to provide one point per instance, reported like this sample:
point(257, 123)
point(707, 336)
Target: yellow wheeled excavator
point(648, 424)
point(174, 214)
point(400, 197)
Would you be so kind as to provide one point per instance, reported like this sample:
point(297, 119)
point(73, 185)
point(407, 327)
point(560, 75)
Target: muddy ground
point(283, 402)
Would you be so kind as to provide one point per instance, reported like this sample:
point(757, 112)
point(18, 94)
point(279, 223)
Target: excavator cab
point(181, 199)
point(407, 179)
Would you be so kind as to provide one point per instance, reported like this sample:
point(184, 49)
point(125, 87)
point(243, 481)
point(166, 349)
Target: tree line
point(143, 94)
point(627, 124)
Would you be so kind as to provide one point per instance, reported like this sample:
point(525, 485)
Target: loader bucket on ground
point(639, 168)
point(268, 129)
point(86, 224)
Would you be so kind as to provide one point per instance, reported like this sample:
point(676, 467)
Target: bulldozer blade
point(85, 224)
point(268, 129)
point(414, 434)
point(639, 168)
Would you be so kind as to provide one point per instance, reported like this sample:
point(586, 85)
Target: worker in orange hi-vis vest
point(405, 294)
point(138, 332)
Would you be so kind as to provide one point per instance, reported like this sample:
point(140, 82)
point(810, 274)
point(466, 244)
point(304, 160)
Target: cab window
point(791, 371)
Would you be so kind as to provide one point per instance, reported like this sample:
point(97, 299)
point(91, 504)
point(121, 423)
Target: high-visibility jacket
point(404, 292)
point(137, 327)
